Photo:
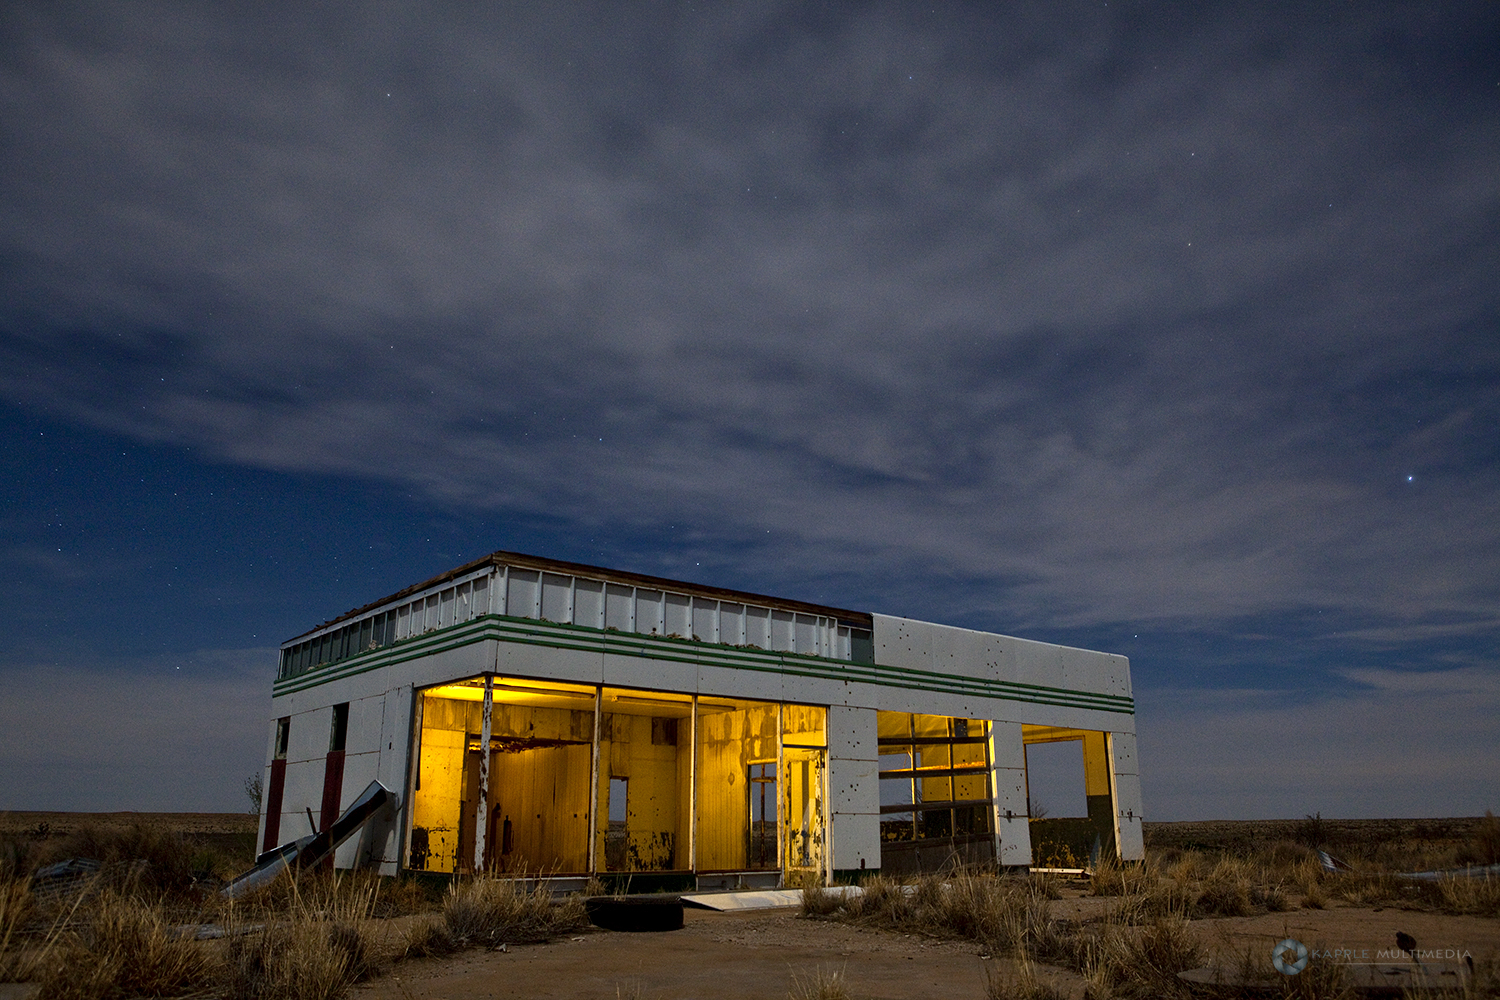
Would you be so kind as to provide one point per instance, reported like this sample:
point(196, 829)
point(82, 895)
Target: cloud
point(1113, 320)
point(167, 734)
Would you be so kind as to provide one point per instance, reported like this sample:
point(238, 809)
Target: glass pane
point(804, 725)
point(763, 825)
point(927, 727)
point(934, 823)
point(971, 787)
point(897, 827)
point(616, 841)
point(891, 725)
point(971, 820)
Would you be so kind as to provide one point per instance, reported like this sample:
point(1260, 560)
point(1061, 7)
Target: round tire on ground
point(635, 913)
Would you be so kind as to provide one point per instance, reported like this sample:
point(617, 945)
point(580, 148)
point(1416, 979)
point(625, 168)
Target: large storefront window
point(582, 779)
point(935, 797)
point(536, 801)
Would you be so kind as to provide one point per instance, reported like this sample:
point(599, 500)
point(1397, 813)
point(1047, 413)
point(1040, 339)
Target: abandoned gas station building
point(535, 716)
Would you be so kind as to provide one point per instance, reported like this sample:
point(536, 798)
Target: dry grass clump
point(1283, 854)
point(1113, 877)
point(1485, 982)
point(1269, 896)
point(404, 897)
point(114, 944)
point(427, 937)
point(323, 891)
point(1277, 870)
point(821, 985)
point(1009, 915)
point(491, 911)
point(1362, 888)
point(315, 950)
point(818, 901)
point(1165, 898)
point(18, 959)
point(123, 947)
point(1225, 891)
point(1483, 848)
point(1110, 877)
point(316, 891)
point(300, 959)
point(1000, 912)
point(1027, 926)
point(1478, 896)
point(16, 858)
point(16, 907)
point(1189, 866)
point(883, 902)
point(1017, 980)
point(142, 858)
point(1116, 959)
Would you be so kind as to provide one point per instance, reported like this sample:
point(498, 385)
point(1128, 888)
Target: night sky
point(1170, 330)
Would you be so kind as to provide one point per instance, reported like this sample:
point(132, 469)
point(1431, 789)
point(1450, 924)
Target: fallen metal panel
point(760, 899)
point(1332, 864)
point(309, 850)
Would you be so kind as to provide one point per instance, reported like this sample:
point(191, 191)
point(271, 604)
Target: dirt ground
point(732, 956)
point(757, 954)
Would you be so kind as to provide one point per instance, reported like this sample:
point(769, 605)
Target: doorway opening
point(1069, 795)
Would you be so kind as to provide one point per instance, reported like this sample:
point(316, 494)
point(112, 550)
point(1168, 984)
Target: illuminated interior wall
point(645, 750)
point(437, 802)
point(733, 735)
point(538, 799)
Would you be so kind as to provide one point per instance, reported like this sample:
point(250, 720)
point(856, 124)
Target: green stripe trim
point(580, 638)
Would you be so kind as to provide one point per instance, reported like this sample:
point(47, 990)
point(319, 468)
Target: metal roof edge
point(520, 560)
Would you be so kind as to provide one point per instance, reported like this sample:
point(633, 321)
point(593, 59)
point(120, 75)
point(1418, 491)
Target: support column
point(1127, 797)
point(693, 783)
point(413, 783)
point(781, 791)
point(1008, 779)
point(594, 782)
point(482, 807)
point(853, 793)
